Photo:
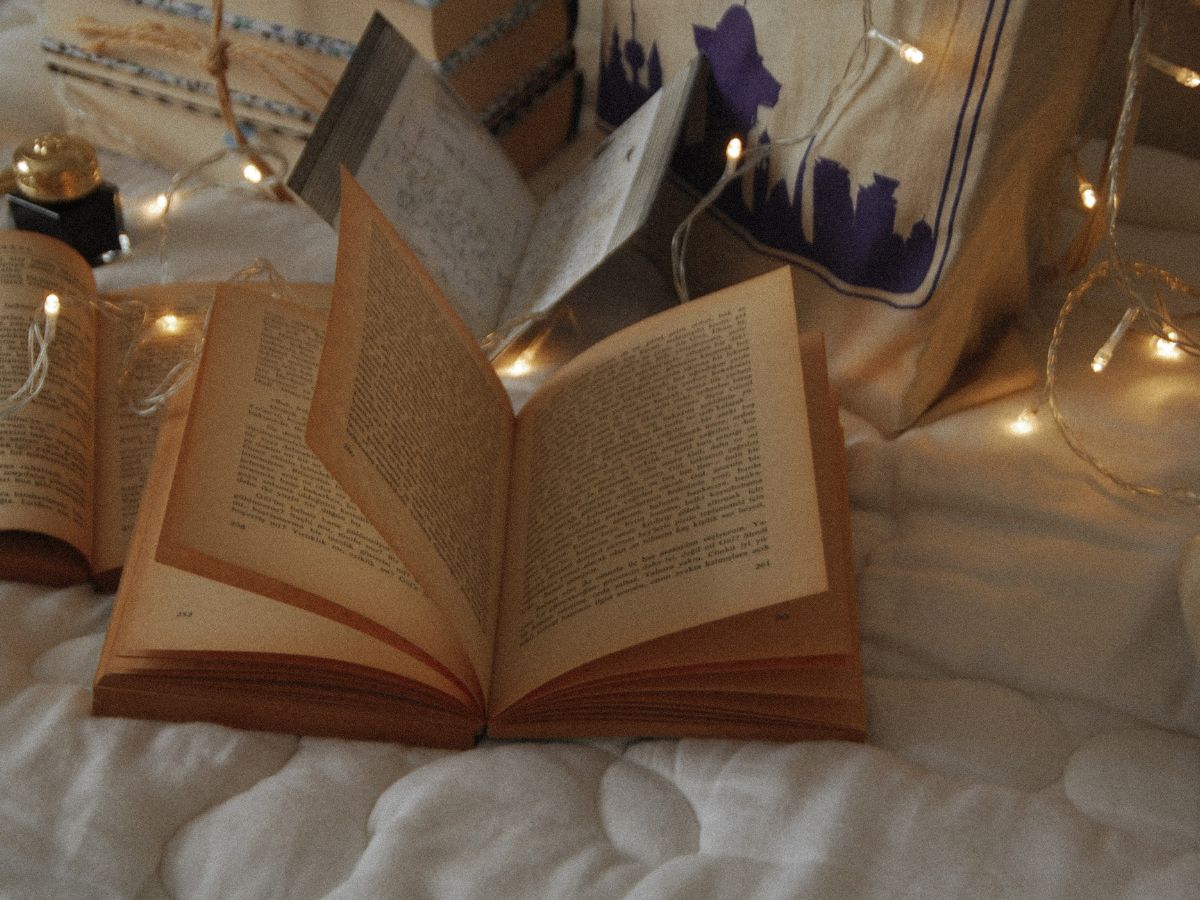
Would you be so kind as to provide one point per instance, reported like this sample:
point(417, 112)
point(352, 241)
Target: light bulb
point(157, 206)
point(169, 323)
point(1105, 354)
point(1024, 423)
point(733, 153)
point(1187, 77)
point(523, 364)
point(1168, 347)
point(911, 54)
point(252, 173)
point(52, 305)
point(1087, 195)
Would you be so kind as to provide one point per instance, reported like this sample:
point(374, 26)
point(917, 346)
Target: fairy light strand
point(38, 339)
point(191, 179)
point(41, 334)
point(177, 377)
point(1189, 78)
point(1188, 496)
point(1151, 309)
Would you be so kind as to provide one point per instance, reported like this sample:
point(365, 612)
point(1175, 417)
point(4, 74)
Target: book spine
point(342, 49)
point(251, 126)
point(271, 31)
point(345, 130)
point(199, 87)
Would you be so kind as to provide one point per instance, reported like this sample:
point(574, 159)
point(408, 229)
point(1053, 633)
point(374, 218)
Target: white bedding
point(1033, 689)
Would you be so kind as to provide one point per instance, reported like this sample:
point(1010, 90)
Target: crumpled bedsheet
point(1033, 689)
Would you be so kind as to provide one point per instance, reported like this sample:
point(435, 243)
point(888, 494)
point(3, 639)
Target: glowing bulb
point(1024, 423)
point(169, 323)
point(1187, 77)
point(52, 305)
point(733, 153)
point(23, 167)
point(906, 51)
point(1168, 347)
point(522, 365)
point(1105, 354)
point(252, 173)
point(157, 206)
point(1087, 195)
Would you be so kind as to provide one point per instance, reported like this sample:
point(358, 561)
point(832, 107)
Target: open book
point(73, 461)
point(499, 254)
point(657, 545)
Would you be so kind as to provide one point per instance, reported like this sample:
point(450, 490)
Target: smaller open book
point(350, 533)
point(73, 461)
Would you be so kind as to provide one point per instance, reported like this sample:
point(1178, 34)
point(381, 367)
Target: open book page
point(438, 175)
point(46, 449)
point(662, 480)
point(594, 212)
point(162, 610)
point(252, 506)
point(411, 419)
point(125, 440)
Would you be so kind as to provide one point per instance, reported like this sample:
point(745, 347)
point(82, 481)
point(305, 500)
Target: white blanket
point(1033, 691)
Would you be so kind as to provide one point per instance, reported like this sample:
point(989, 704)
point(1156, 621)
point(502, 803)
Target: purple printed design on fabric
point(853, 232)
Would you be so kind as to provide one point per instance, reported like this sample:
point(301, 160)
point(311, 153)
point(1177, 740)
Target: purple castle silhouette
point(853, 234)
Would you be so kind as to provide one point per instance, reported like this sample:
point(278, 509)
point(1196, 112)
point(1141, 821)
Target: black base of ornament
point(93, 225)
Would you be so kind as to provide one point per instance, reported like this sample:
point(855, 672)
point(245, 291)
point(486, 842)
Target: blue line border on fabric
point(812, 267)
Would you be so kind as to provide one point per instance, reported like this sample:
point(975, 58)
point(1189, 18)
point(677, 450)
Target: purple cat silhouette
point(737, 66)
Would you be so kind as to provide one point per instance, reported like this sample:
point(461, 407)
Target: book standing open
point(657, 545)
point(499, 254)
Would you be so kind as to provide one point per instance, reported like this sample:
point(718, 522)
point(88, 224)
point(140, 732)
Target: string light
point(1025, 423)
point(733, 152)
point(1105, 354)
point(908, 52)
point(39, 338)
point(145, 403)
point(1189, 78)
point(1087, 191)
point(522, 365)
point(1168, 347)
point(1148, 306)
point(193, 178)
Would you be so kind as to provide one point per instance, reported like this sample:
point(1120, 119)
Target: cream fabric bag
point(912, 213)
